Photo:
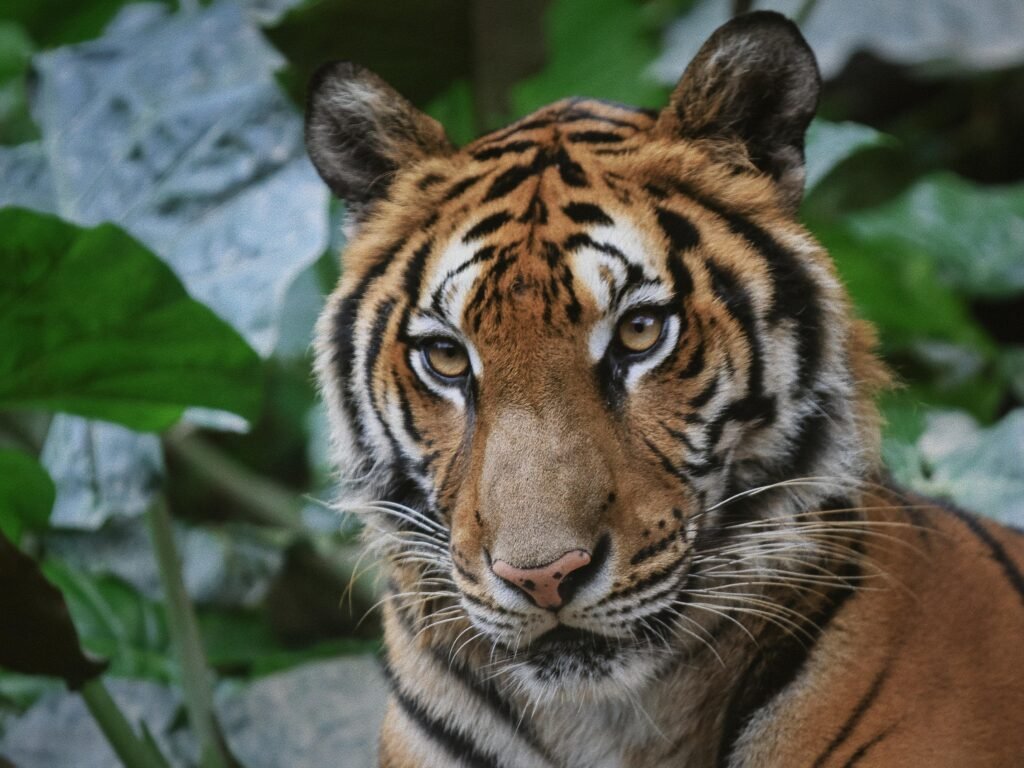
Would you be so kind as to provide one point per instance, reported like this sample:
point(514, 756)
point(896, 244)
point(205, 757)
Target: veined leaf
point(26, 494)
point(93, 323)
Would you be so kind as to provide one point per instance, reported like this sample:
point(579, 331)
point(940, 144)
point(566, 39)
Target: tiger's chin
point(566, 662)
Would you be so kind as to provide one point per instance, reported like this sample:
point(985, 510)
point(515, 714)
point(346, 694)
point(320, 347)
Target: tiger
point(610, 421)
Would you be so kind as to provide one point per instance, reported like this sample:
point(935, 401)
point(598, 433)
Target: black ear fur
point(360, 131)
point(755, 80)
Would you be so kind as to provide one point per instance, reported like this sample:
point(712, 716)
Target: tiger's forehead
point(554, 272)
point(544, 224)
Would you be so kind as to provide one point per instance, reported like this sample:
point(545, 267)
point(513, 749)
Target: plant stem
point(184, 630)
point(800, 17)
point(130, 749)
point(266, 502)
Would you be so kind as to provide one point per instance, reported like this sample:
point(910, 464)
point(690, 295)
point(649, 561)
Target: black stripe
point(493, 153)
point(587, 213)
point(858, 712)
point(778, 665)
point(734, 296)
point(408, 422)
point(484, 254)
point(867, 746)
point(510, 180)
point(453, 740)
point(704, 396)
point(795, 292)
point(459, 187)
point(571, 172)
point(678, 229)
point(595, 137)
point(634, 273)
point(486, 226)
point(380, 324)
point(696, 362)
point(429, 181)
point(996, 550)
point(343, 337)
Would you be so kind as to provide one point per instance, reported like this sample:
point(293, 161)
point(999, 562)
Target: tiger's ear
point(755, 80)
point(360, 132)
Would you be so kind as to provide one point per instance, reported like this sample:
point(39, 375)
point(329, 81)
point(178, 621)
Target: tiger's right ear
point(360, 132)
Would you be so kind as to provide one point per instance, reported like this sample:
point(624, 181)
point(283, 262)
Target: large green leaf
point(26, 494)
point(829, 144)
point(597, 48)
point(15, 50)
point(94, 324)
point(116, 622)
point(974, 235)
point(173, 127)
point(894, 284)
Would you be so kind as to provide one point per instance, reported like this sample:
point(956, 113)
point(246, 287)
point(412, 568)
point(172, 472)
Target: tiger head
point(579, 365)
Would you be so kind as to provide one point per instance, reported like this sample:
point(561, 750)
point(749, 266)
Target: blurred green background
point(165, 248)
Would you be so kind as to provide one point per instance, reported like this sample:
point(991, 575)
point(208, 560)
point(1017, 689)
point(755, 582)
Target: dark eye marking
point(587, 213)
point(487, 226)
point(595, 137)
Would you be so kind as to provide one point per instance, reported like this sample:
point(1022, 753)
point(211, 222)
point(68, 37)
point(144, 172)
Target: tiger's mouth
point(567, 654)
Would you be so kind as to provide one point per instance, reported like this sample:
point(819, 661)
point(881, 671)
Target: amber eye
point(446, 358)
point(640, 329)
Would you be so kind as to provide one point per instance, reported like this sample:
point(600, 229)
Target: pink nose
point(542, 583)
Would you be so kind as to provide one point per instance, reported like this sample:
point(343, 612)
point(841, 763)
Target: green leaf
point(829, 144)
point(116, 622)
point(419, 46)
point(60, 22)
point(26, 494)
point(973, 235)
point(978, 468)
point(597, 48)
point(16, 124)
point(894, 284)
point(189, 145)
point(95, 324)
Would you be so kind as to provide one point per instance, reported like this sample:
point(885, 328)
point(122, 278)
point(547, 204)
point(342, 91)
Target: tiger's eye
point(446, 358)
point(640, 329)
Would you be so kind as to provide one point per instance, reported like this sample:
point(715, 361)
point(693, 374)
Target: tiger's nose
point(547, 584)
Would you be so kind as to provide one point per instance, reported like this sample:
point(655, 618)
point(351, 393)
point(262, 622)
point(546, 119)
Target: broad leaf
point(138, 359)
point(974, 235)
point(978, 468)
point(16, 124)
point(173, 127)
point(937, 36)
point(597, 48)
point(829, 144)
point(26, 494)
point(894, 284)
point(116, 622)
point(418, 46)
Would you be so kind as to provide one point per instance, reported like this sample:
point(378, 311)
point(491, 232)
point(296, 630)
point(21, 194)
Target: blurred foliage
point(179, 246)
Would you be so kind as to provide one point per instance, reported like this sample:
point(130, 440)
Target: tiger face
point(584, 366)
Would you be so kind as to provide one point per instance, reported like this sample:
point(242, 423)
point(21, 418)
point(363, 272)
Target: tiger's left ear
point(360, 133)
point(755, 80)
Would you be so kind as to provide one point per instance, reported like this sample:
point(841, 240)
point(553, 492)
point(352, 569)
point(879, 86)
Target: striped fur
point(756, 594)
